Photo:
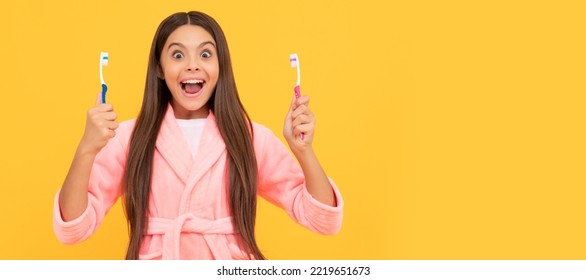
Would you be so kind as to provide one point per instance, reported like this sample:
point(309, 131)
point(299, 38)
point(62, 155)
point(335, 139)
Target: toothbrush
point(294, 60)
point(103, 62)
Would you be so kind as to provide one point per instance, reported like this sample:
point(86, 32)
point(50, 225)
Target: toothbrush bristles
point(104, 58)
point(293, 59)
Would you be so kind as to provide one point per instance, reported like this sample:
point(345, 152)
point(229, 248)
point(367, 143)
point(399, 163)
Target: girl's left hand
point(299, 125)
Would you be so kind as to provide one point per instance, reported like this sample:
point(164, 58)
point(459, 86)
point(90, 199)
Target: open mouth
point(192, 86)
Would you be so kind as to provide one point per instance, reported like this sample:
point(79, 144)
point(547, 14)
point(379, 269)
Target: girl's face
point(189, 65)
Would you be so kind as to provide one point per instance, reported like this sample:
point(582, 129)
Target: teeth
point(193, 82)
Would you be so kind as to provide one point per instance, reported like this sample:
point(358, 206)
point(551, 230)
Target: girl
point(190, 166)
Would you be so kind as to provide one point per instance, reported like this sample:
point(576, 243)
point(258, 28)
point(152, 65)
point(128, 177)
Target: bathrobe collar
point(173, 147)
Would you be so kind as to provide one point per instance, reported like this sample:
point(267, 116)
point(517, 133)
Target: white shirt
point(192, 131)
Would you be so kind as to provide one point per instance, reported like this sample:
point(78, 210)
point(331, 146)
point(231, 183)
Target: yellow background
point(454, 129)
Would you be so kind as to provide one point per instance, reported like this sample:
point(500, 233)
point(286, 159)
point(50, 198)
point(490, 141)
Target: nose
point(193, 66)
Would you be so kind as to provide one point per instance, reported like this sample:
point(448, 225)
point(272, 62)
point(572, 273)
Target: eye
point(206, 54)
point(177, 55)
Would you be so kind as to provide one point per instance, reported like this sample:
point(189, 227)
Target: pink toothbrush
point(294, 59)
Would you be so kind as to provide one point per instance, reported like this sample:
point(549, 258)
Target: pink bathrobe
point(189, 212)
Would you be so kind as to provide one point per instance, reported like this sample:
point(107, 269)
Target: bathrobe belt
point(171, 230)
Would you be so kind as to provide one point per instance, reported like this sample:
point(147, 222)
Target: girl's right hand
point(100, 126)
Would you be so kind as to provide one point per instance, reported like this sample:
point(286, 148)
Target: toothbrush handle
point(297, 95)
point(104, 90)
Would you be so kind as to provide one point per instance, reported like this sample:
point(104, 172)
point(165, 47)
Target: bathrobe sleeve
point(105, 186)
point(281, 182)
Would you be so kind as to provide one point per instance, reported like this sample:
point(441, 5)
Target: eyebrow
point(183, 46)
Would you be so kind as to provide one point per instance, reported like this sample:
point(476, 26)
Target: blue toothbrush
point(103, 62)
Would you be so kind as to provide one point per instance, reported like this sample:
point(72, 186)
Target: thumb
point(99, 98)
point(291, 107)
point(293, 103)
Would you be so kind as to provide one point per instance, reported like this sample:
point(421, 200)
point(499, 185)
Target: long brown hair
point(234, 125)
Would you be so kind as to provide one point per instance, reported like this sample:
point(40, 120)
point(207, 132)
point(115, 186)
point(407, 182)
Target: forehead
point(189, 35)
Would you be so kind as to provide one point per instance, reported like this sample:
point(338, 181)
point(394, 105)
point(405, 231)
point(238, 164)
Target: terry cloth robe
point(189, 212)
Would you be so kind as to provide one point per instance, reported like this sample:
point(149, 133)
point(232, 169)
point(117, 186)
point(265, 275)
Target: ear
point(160, 73)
